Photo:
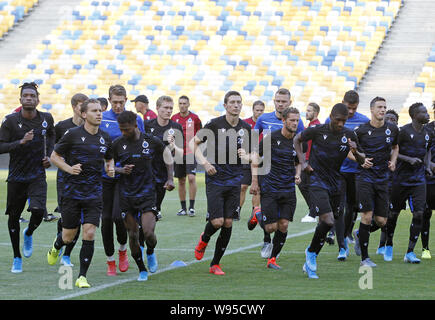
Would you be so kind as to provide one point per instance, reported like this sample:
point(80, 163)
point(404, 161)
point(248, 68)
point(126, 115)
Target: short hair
point(229, 94)
point(117, 90)
point(413, 109)
point(29, 85)
point(84, 106)
point(315, 106)
point(339, 109)
point(162, 99)
point(393, 112)
point(376, 99)
point(288, 111)
point(77, 98)
point(184, 97)
point(258, 103)
point(103, 101)
point(351, 97)
point(127, 117)
point(284, 91)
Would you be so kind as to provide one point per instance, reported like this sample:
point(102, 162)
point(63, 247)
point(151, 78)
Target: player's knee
point(427, 214)
point(217, 223)
point(417, 215)
point(327, 219)
point(192, 179)
point(380, 221)
point(89, 234)
point(270, 228)
point(182, 181)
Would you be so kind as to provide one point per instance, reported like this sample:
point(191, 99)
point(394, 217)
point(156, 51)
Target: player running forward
point(111, 211)
point(378, 139)
point(278, 194)
point(191, 124)
point(81, 153)
point(60, 128)
point(272, 121)
point(430, 195)
point(168, 132)
point(134, 152)
point(227, 142)
point(257, 111)
point(331, 144)
point(409, 179)
point(28, 136)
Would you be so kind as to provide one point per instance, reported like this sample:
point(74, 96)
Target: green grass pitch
point(246, 278)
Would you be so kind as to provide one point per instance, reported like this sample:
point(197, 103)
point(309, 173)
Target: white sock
point(122, 247)
point(111, 258)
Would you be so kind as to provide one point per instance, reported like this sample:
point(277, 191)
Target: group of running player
point(349, 164)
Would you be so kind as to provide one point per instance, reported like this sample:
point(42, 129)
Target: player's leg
point(191, 177)
point(181, 188)
point(107, 221)
point(270, 218)
point(418, 196)
point(425, 227)
point(399, 195)
point(148, 220)
point(121, 232)
point(215, 211)
point(160, 195)
point(132, 228)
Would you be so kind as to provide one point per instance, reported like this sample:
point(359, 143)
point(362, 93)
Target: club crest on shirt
point(388, 132)
point(171, 131)
point(344, 139)
point(145, 144)
point(189, 120)
point(426, 137)
point(241, 132)
point(102, 140)
point(44, 124)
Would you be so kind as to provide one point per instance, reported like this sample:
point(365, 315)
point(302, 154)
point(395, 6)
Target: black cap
point(141, 98)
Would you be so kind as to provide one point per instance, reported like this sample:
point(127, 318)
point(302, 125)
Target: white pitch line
point(119, 282)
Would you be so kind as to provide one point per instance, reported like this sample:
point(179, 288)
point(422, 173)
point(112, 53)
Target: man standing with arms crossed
point(191, 125)
point(28, 136)
point(82, 152)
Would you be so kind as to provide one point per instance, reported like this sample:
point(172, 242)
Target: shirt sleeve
point(51, 136)
point(6, 145)
point(140, 124)
point(109, 152)
point(64, 144)
point(308, 134)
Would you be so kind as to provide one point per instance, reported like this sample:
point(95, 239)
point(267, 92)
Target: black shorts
point(111, 209)
point(19, 192)
point(76, 212)
point(137, 206)
point(373, 197)
point(247, 177)
point(278, 205)
point(322, 201)
point(183, 169)
point(430, 196)
point(416, 196)
point(222, 202)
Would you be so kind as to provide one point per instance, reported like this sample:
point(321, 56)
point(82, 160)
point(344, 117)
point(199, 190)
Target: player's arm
point(194, 145)
point(255, 163)
point(169, 163)
point(6, 145)
point(353, 144)
point(298, 141)
point(393, 157)
point(59, 162)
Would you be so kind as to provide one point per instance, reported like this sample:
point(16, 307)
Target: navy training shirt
point(281, 177)
point(140, 182)
point(412, 144)
point(60, 128)
point(152, 127)
point(431, 128)
point(229, 169)
point(25, 163)
point(79, 146)
point(377, 144)
point(328, 151)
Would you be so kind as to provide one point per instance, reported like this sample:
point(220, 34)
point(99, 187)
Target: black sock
point(141, 237)
point(86, 253)
point(414, 232)
point(183, 205)
point(107, 235)
point(58, 243)
point(35, 220)
point(374, 226)
point(278, 242)
point(14, 234)
point(70, 246)
point(139, 261)
point(391, 227)
point(319, 237)
point(221, 244)
point(364, 235)
point(209, 230)
point(383, 237)
point(267, 237)
point(425, 227)
point(191, 204)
